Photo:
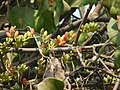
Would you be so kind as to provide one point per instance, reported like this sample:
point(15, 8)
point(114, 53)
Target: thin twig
point(101, 78)
point(117, 83)
point(118, 21)
point(96, 11)
point(40, 51)
point(80, 57)
point(91, 38)
point(86, 78)
point(58, 49)
point(101, 61)
point(93, 68)
point(76, 24)
point(104, 65)
point(83, 22)
point(3, 65)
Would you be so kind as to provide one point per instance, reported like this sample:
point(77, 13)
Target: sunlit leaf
point(113, 31)
point(66, 5)
point(56, 18)
point(115, 9)
point(51, 84)
point(79, 3)
point(82, 38)
point(113, 6)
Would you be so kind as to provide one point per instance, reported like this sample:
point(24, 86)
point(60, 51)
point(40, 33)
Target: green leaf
point(107, 3)
point(22, 17)
point(59, 6)
point(117, 58)
point(113, 32)
point(115, 9)
point(113, 6)
point(63, 7)
point(37, 19)
point(16, 86)
point(43, 6)
point(66, 6)
point(79, 3)
point(56, 18)
point(69, 1)
point(48, 23)
point(51, 84)
point(82, 38)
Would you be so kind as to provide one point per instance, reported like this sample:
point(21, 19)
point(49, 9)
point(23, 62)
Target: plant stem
point(3, 65)
point(83, 22)
point(95, 13)
point(117, 83)
point(58, 49)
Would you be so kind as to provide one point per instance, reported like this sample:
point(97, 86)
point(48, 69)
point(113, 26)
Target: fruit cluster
point(16, 39)
point(67, 56)
point(46, 42)
point(61, 41)
point(68, 36)
point(13, 72)
point(90, 27)
point(12, 33)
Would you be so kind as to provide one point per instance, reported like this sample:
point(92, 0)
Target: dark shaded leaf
point(25, 14)
point(48, 23)
point(34, 18)
point(117, 58)
point(59, 6)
